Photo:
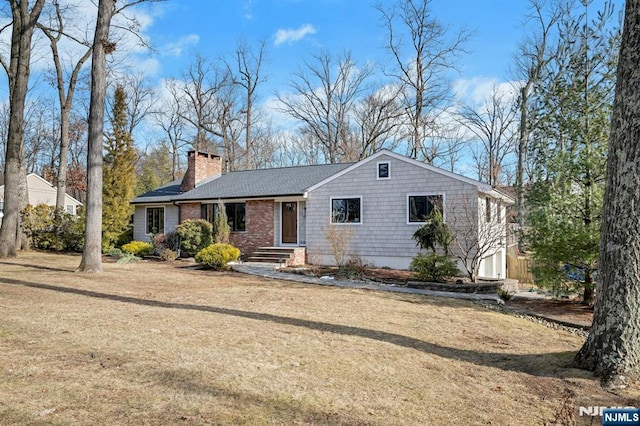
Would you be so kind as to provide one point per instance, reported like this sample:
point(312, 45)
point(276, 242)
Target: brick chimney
point(200, 166)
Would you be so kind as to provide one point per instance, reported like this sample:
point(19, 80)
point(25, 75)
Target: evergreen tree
point(569, 145)
point(119, 179)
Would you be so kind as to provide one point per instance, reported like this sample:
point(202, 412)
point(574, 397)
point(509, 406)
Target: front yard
point(150, 343)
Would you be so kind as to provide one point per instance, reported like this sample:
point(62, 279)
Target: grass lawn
point(151, 343)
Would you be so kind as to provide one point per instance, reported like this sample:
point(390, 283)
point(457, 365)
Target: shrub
point(505, 294)
point(168, 255)
point(221, 228)
point(138, 248)
point(165, 241)
point(49, 229)
point(194, 236)
point(433, 267)
point(128, 258)
point(115, 253)
point(354, 268)
point(217, 256)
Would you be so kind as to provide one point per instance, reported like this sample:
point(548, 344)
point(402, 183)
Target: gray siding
point(384, 237)
point(171, 220)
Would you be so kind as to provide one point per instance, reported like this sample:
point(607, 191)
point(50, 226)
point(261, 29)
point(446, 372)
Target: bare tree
point(102, 46)
point(141, 99)
point(92, 253)
point(198, 99)
point(377, 118)
point(424, 56)
point(533, 56)
point(478, 231)
point(248, 76)
point(18, 69)
point(493, 124)
point(169, 119)
point(325, 92)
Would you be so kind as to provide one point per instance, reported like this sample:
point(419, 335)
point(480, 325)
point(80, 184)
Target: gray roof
point(248, 184)
point(164, 194)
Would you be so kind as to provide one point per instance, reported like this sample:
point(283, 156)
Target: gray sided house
point(378, 202)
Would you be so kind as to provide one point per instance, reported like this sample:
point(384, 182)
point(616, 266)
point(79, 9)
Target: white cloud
point(478, 90)
point(291, 35)
point(177, 47)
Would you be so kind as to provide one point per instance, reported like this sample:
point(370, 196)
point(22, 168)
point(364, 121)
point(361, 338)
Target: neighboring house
point(40, 191)
point(383, 199)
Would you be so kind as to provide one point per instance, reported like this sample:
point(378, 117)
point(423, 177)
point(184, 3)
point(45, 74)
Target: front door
point(290, 222)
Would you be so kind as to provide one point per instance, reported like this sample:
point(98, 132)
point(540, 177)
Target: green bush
point(194, 235)
point(51, 230)
point(138, 248)
point(217, 256)
point(433, 267)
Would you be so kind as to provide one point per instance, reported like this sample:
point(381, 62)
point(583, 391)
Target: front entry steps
point(285, 256)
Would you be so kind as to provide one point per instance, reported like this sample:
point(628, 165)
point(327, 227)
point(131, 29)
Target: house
point(381, 200)
point(40, 191)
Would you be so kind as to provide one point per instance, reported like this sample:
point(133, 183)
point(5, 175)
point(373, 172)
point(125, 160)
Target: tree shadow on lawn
point(542, 364)
point(46, 268)
point(279, 408)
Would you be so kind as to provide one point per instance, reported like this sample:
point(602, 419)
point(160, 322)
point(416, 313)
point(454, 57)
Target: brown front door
point(290, 222)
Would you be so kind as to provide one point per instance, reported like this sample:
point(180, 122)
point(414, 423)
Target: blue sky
point(213, 26)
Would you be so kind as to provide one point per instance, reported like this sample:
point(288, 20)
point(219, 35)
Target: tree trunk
point(18, 74)
point(92, 253)
point(62, 166)
point(611, 349)
point(589, 290)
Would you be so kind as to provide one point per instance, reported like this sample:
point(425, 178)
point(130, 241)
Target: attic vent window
point(384, 170)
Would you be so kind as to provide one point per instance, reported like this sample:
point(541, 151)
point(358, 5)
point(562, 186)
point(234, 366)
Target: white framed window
point(155, 220)
point(420, 206)
point(384, 170)
point(346, 210)
point(70, 209)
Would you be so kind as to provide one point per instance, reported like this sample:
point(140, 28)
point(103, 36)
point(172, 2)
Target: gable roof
point(277, 182)
point(163, 194)
point(482, 187)
point(46, 183)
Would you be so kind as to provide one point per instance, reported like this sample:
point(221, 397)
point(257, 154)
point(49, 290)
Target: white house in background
point(381, 200)
point(42, 192)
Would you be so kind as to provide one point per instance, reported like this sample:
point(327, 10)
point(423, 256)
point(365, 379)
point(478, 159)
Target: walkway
point(269, 270)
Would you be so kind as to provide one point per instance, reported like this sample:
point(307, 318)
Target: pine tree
point(119, 179)
point(575, 98)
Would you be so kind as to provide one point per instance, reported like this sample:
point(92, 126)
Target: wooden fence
point(519, 268)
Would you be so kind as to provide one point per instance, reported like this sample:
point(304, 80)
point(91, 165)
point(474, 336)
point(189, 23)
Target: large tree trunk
point(92, 254)
point(612, 348)
point(18, 73)
point(62, 166)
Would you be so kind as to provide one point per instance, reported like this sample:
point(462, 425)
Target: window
point(421, 206)
point(345, 210)
point(155, 220)
point(487, 206)
point(70, 209)
point(235, 215)
point(499, 212)
point(208, 212)
point(384, 170)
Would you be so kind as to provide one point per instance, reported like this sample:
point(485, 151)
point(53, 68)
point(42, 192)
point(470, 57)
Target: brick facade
point(259, 227)
point(200, 166)
point(190, 211)
point(259, 218)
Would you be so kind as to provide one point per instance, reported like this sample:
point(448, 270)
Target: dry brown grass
point(150, 343)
